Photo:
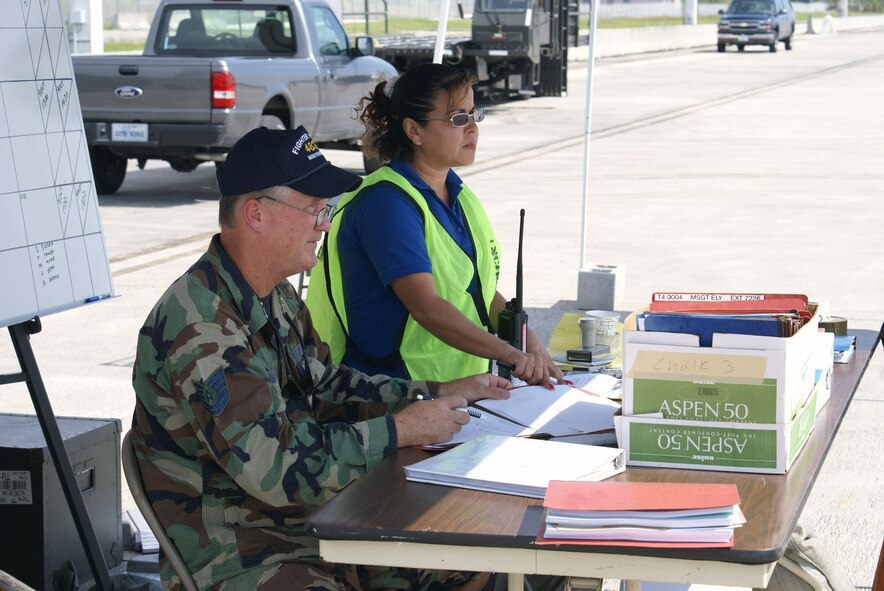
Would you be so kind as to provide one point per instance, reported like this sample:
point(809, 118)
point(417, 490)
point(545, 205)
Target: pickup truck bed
point(212, 71)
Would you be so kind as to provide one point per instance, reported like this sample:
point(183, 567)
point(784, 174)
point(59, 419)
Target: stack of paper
point(144, 539)
point(516, 466)
point(641, 514)
point(844, 348)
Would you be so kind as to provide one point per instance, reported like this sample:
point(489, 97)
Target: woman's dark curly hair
point(414, 95)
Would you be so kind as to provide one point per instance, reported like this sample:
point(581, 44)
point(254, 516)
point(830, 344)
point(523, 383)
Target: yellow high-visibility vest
point(425, 356)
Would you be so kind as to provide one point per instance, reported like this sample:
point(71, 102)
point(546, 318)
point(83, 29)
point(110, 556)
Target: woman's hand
point(536, 347)
point(534, 366)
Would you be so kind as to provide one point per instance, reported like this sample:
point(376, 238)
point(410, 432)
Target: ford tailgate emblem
point(128, 92)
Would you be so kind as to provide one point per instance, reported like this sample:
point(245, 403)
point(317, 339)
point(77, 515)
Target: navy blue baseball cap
point(266, 158)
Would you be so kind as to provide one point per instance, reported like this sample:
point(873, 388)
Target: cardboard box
point(741, 378)
point(701, 445)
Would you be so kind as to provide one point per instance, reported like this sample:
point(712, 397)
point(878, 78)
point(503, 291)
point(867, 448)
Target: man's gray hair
point(228, 203)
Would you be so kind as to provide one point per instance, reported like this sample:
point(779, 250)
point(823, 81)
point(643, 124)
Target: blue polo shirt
point(382, 239)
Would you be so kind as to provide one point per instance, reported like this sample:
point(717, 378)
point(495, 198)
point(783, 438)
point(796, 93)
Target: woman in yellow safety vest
point(406, 284)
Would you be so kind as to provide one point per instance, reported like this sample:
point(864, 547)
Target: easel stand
point(30, 374)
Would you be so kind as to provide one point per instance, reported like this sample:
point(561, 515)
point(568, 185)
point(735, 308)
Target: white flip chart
point(52, 250)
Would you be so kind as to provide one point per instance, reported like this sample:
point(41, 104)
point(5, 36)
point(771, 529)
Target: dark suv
point(756, 22)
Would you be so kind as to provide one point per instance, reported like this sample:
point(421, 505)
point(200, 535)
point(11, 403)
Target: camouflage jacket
point(234, 456)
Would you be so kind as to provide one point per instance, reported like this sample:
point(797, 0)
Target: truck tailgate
point(144, 88)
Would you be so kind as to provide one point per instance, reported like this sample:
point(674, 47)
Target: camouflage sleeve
point(345, 394)
point(231, 397)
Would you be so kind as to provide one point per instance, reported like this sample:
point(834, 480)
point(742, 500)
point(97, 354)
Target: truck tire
point(184, 164)
point(721, 48)
point(788, 42)
point(271, 122)
point(773, 46)
point(108, 170)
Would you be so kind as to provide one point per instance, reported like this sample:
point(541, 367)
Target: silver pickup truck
point(214, 69)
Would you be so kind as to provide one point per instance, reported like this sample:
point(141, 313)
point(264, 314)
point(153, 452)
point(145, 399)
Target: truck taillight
point(223, 90)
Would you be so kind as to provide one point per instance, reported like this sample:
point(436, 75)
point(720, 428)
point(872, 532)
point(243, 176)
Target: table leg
point(515, 581)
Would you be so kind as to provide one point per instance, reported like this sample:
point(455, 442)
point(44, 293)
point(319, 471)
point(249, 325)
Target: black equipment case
point(38, 532)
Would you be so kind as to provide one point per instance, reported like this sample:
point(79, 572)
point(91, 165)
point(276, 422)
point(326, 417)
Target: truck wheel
point(721, 48)
point(741, 48)
point(184, 164)
point(773, 46)
point(108, 170)
point(788, 43)
point(370, 164)
point(271, 122)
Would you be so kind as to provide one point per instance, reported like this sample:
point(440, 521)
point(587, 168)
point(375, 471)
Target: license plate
point(129, 132)
point(742, 38)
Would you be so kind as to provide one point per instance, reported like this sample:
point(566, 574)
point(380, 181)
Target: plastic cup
point(588, 327)
point(606, 333)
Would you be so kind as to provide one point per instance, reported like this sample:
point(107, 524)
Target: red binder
point(639, 496)
point(728, 303)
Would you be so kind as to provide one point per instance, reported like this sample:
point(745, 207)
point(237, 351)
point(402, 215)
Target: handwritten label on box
point(724, 369)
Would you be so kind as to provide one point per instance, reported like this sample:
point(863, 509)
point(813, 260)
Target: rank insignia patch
point(213, 392)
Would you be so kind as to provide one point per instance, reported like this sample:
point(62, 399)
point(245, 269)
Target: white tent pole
point(587, 123)
point(444, 6)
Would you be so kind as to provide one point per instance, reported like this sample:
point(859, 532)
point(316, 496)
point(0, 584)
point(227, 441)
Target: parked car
point(756, 22)
point(211, 71)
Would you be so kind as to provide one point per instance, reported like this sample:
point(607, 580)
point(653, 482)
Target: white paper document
point(517, 466)
point(597, 383)
point(640, 534)
point(728, 517)
point(564, 410)
point(482, 423)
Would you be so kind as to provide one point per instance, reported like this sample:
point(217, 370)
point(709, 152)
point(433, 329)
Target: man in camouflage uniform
point(242, 425)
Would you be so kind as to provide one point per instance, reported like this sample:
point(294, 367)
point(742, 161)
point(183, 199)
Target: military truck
point(516, 47)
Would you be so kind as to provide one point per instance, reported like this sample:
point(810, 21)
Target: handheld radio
point(512, 322)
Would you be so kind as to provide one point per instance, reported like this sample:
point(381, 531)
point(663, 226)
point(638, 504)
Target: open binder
point(581, 411)
point(516, 466)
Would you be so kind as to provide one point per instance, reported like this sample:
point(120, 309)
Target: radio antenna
point(519, 261)
point(512, 322)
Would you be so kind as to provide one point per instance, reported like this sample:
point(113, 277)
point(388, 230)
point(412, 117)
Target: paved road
point(744, 172)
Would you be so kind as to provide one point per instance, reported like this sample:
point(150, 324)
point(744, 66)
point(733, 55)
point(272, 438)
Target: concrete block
point(601, 287)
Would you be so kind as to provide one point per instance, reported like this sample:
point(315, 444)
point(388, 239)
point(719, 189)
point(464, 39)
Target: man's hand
point(478, 387)
point(431, 421)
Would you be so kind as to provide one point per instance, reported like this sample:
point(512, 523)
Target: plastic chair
point(136, 486)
